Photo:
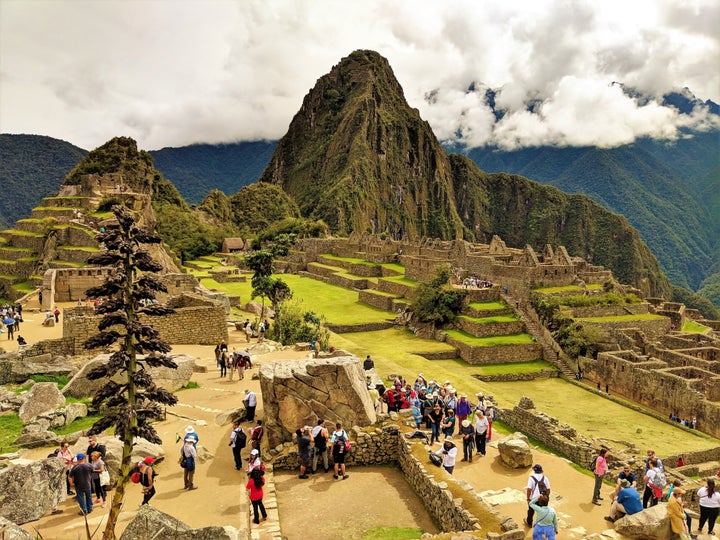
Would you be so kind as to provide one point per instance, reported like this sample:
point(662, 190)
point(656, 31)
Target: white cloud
point(172, 73)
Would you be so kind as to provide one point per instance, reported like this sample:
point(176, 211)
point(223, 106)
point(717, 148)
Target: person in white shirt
point(250, 403)
point(449, 453)
point(709, 501)
point(538, 484)
point(481, 428)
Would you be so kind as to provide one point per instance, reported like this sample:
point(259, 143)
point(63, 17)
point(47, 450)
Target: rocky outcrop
point(10, 531)
point(30, 491)
point(35, 436)
point(650, 524)
point(17, 367)
point(150, 522)
point(170, 379)
point(299, 392)
point(114, 449)
point(515, 451)
point(41, 398)
point(9, 401)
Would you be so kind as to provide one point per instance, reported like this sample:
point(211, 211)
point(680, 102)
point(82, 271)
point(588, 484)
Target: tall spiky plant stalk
point(124, 289)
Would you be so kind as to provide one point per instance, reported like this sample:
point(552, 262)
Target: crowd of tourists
point(474, 282)
point(10, 319)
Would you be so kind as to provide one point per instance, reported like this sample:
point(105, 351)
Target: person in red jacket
point(255, 489)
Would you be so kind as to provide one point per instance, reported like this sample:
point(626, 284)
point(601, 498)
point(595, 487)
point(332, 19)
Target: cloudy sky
point(176, 72)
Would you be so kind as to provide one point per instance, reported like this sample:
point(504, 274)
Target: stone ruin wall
point(385, 445)
point(652, 329)
point(559, 437)
point(200, 322)
point(686, 390)
point(70, 284)
point(519, 269)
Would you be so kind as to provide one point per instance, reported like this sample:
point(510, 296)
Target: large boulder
point(35, 436)
point(650, 524)
point(150, 522)
point(10, 531)
point(30, 491)
point(299, 392)
point(228, 416)
point(515, 451)
point(169, 379)
point(41, 398)
point(114, 450)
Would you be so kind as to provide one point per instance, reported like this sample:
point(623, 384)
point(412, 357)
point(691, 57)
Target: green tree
point(261, 264)
point(127, 405)
point(437, 301)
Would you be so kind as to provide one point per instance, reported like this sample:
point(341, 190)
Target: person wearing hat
point(147, 479)
point(254, 461)
point(538, 484)
point(190, 454)
point(675, 510)
point(462, 408)
point(81, 479)
point(481, 427)
point(448, 453)
point(467, 432)
point(191, 436)
point(627, 502)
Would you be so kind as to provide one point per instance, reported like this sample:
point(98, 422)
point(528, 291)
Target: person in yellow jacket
point(677, 515)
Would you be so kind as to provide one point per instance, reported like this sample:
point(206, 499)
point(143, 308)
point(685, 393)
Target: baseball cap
point(149, 460)
point(254, 452)
point(80, 456)
point(537, 468)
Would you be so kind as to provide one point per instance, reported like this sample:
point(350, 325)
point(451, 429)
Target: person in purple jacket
point(462, 408)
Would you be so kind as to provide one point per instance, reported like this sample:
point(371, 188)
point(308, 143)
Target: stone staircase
point(552, 352)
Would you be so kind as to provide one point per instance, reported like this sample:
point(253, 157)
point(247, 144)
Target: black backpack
point(542, 486)
point(240, 438)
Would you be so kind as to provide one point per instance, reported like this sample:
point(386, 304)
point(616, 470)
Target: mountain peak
point(360, 158)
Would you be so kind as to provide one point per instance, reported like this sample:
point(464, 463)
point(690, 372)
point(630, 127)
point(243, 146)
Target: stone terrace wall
point(653, 328)
point(202, 323)
point(610, 311)
point(486, 329)
point(499, 354)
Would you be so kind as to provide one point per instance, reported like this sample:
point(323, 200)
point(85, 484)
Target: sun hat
point(448, 439)
point(537, 468)
point(254, 452)
point(466, 423)
point(189, 429)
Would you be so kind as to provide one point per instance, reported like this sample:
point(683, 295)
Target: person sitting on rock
point(627, 502)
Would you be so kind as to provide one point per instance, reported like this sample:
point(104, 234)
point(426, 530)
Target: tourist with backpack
point(238, 440)
point(650, 497)
point(538, 484)
point(599, 472)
